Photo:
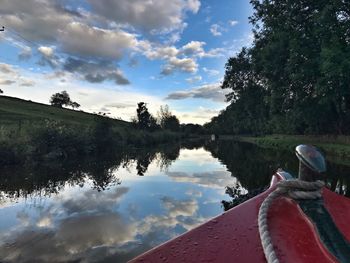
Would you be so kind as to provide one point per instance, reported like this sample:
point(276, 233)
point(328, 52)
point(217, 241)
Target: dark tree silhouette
point(145, 120)
point(75, 105)
point(192, 128)
point(63, 99)
point(294, 79)
point(172, 123)
point(167, 120)
point(60, 99)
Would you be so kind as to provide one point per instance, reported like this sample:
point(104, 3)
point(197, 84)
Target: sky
point(111, 54)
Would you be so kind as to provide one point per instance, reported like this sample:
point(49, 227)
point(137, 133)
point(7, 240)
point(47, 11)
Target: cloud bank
point(207, 91)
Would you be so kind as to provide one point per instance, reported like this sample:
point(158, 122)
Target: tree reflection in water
point(103, 220)
point(44, 179)
point(251, 165)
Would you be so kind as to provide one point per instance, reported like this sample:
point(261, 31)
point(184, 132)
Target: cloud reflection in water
point(82, 224)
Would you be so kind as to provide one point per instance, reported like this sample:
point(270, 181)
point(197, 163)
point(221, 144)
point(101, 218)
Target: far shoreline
point(336, 148)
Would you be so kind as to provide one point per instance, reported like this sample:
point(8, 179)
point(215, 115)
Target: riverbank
point(334, 147)
point(35, 131)
point(55, 141)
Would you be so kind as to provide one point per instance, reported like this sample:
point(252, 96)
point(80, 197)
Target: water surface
point(112, 209)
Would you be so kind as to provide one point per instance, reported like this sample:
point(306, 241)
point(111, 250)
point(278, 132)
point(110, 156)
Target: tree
point(163, 114)
point(75, 105)
point(60, 99)
point(302, 50)
point(63, 99)
point(247, 113)
point(167, 120)
point(145, 120)
point(294, 78)
point(172, 123)
point(191, 128)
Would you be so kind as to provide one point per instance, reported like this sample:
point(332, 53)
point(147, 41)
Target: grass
point(14, 110)
point(33, 129)
point(337, 148)
point(20, 118)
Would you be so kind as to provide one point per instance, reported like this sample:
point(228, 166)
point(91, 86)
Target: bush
point(53, 140)
point(60, 141)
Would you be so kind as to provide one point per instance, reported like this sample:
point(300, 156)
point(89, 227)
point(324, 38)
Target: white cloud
point(175, 35)
point(70, 32)
point(83, 40)
point(160, 15)
point(179, 212)
point(193, 5)
point(121, 105)
point(25, 53)
point(46, 51)
point(188, 65)
point(35, 20)
point(44, 222)
point(6, 82)
point(87, 45)
point(182, 59)
point(95, 72)
point(9, 75)
point(212, 179)
point(48, 57)
point(179, 207)
point(215, 52)
point(194, 193)
point(208, 91)
point(51, 22)
point(161, 52)
point(6, 68)
point(211, 72)
point(233, 22)
point(194, 79)
point(103, 34)
point(27, 82)
point(215, 29)
point(193, 48)
point(198, 116)
point(86, 226)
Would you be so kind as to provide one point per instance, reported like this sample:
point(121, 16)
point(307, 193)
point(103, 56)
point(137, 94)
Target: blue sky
point(111, 54)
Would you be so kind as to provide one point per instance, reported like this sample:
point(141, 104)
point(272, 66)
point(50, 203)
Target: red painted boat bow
point(234, 236)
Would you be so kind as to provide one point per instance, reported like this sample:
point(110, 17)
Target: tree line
point(144, 120)
point(165, 119)
point(295, 77)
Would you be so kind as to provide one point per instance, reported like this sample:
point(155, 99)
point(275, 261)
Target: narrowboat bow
point(295, 220)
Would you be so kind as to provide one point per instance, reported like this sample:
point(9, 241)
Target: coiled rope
point(295, 189)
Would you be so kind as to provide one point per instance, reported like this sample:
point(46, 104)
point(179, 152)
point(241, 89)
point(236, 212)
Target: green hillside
point(14, 111)
point(35, 131)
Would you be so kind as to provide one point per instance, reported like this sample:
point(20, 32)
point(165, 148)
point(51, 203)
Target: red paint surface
point(234, 236)
point(339, 208)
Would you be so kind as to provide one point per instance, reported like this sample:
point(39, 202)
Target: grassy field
point(14, 110)
point(335, 147)
point(34, 129)
point(18, 118)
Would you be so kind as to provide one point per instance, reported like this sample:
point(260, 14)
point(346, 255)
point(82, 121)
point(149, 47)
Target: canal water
point(113, 209)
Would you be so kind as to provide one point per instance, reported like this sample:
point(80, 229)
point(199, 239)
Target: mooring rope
point(295, 189)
